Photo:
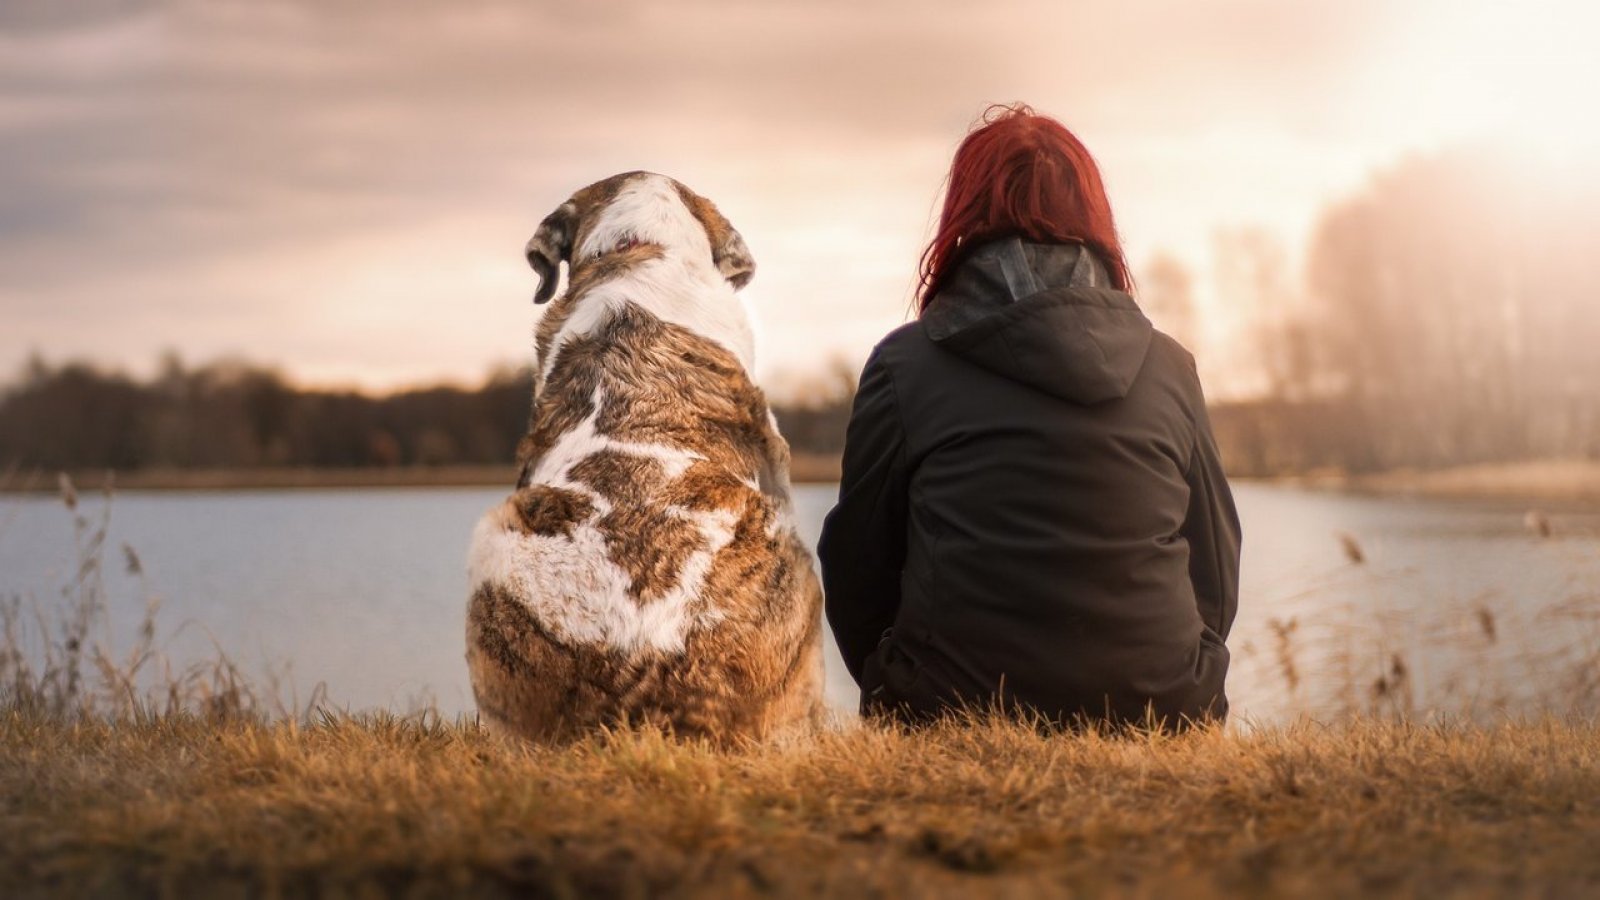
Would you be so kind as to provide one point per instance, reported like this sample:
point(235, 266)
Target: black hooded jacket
point(1033, 503)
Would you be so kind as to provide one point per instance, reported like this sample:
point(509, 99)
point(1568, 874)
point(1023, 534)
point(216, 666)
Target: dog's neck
point(676, 288)
point(627, 243)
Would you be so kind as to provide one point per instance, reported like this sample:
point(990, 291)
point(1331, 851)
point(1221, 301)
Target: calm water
point(365, 590)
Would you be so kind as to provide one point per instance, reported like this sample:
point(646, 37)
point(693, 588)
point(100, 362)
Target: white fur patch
point(683, 287)
point(571, 585)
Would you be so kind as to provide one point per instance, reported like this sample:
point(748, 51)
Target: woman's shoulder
point(1165, 346)
point(900, 346)
point(1169, 362)
point(910, 332)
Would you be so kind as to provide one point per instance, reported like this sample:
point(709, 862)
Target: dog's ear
point(728, 250)
point(550, 246)
point(733, 259)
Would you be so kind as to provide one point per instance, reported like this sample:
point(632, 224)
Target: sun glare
point(1526, 76)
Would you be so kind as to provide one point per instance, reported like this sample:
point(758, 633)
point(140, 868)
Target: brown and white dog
point(647, 570)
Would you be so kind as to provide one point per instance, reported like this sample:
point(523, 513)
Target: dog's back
point(647, 569)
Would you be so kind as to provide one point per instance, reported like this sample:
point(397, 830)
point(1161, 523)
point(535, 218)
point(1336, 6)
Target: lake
point(1457, 607)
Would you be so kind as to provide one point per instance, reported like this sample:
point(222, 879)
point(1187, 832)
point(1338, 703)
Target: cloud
point(270, 177)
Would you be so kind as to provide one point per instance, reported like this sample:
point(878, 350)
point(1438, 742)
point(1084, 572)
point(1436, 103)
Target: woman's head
point(1025, 175)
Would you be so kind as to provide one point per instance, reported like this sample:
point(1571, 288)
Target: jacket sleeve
point(1212, 530)
point(863, 545)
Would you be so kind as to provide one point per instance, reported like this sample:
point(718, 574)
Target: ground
point(181, 804)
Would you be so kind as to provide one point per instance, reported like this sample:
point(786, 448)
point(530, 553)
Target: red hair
point(1021, 174)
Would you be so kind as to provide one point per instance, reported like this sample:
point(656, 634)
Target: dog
point(647, 569)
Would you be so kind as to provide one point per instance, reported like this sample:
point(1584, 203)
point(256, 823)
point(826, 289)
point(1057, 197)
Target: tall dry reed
point(64, 661)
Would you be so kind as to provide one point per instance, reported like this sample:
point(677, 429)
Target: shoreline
point(1560, 484)
point(1554, 483)
point(806, 469)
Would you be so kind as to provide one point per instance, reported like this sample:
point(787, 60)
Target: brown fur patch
point(718, 228)
point(643, 535)
point(728, 251)
point(546, 510)
point(706, 486)
point(622, 478)
point(589, 274)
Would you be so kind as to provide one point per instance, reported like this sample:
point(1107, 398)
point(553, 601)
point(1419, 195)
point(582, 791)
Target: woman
point(1032, 513)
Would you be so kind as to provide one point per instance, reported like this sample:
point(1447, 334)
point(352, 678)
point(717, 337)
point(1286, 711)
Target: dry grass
point(196, 806)
point(1390, 639)
point(63, 663)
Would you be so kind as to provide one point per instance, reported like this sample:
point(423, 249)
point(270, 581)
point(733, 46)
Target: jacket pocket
point(895, 686)
point(874, 693)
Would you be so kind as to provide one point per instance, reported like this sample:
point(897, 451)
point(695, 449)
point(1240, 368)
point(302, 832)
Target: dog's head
point(628, 210)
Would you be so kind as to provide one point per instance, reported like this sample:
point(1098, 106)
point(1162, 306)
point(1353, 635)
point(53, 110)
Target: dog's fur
point(647, 570)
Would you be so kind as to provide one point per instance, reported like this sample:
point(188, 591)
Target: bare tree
point(1166, 293)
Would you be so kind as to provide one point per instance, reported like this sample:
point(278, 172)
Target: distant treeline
point(234, 415)
point(1447, 314)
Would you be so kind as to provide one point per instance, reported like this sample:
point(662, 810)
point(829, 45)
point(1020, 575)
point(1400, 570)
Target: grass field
point(186, 805)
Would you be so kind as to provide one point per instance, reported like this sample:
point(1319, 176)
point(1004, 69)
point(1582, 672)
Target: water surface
point(365, 590)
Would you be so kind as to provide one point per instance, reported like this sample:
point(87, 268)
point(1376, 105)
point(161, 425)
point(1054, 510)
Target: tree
point(1166, 293)
point(1453, 310)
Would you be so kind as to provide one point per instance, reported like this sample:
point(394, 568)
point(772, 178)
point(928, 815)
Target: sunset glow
point(345, 192)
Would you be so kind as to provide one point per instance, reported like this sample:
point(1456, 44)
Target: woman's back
point(1044, 453)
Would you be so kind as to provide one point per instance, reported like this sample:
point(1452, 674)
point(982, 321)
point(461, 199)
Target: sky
point(344, 189)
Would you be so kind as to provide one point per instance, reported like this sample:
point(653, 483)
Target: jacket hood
point(1044, 315)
